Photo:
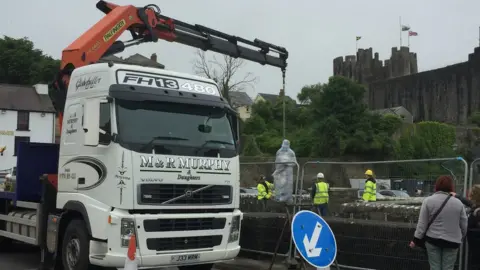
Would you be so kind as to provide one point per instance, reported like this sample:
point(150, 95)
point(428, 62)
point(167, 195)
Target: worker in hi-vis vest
point(370, 190)
point(264, 189)
point(320, 195)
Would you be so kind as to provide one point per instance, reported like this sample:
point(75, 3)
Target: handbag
point(421, 242)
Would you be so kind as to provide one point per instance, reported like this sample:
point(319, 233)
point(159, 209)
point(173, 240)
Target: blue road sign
point(314, 239)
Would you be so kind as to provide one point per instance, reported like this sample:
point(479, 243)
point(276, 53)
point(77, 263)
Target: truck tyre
point(75, 246)
point(197, 267)
point(5, 243)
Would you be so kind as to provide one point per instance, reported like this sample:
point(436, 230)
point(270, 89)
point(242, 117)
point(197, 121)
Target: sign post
point(314, 239)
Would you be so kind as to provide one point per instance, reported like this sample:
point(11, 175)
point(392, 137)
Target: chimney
point(154, 57)
point(41, 89)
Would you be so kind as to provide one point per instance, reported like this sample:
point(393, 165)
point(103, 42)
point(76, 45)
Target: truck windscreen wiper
point(212, 141)
point(168, 138)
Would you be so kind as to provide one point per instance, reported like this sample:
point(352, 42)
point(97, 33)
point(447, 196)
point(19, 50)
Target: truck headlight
point(234, 230)
point(127, 229)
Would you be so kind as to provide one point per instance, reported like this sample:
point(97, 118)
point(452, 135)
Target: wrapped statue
point(283, 174)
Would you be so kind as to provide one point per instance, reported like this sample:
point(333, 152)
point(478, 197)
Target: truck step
point(21, 225)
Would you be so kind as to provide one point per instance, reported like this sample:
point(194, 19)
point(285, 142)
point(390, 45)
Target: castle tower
point(366, 67)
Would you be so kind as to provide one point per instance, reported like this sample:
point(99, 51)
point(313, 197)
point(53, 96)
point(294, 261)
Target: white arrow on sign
point(310, 245)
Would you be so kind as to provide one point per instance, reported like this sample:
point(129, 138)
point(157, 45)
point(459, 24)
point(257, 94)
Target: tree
point(22, 63)
point(308, 92)
point(223, 72)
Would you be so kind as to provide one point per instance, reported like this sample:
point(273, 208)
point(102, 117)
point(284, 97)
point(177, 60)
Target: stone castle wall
point(449, 94)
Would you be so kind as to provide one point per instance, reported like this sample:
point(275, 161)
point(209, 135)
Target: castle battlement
point(366, 67)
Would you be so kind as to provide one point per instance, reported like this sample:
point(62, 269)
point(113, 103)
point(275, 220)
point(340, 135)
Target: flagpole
point(400, 21)
point(356, 45)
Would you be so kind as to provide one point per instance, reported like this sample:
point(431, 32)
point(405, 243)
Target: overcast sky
point(314, 32)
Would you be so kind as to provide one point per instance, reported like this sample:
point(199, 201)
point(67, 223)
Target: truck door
point(96, 157)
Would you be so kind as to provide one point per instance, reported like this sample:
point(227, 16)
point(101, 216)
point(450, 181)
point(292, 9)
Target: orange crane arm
point(146, 24)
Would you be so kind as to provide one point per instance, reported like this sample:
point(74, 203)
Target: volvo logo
point(188, 194)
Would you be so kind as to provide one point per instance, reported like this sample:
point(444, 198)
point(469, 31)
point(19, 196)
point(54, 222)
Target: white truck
point(143, 151)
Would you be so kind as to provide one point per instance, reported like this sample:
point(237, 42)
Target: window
point(19, 140)
point(175, 129)
point(105, 124)
point(23, 119)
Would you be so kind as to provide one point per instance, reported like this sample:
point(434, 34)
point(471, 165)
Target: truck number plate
point(185, 258)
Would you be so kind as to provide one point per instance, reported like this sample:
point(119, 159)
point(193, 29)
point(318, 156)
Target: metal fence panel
point(249, 173)
point(380, 238)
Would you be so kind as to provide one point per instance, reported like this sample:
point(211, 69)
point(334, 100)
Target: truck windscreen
point(175, 129)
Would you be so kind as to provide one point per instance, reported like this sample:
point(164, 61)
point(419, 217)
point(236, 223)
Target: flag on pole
point(405, 27)
point(358, 38)
point(412, 34)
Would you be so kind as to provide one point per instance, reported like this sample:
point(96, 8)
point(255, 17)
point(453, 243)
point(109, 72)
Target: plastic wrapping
point(283, 174)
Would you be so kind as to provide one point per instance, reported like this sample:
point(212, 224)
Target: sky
point(314, 32)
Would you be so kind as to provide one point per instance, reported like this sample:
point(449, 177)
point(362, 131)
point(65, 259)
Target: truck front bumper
point(164, 260)
point(179, 243)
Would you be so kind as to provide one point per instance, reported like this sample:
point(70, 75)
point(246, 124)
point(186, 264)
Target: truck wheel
point(75, 246)
point(5, 243)
point(197, 267)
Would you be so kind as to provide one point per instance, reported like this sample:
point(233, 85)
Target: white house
point(26, 114)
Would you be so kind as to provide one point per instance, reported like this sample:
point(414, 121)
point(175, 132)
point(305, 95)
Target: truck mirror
point(91, 121)
point(205, 128)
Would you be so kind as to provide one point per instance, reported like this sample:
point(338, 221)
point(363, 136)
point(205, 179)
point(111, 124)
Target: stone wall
point(449, 94)
point(338, 197)
point(360, 243)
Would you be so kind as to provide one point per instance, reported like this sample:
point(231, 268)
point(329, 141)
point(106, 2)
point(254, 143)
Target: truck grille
point(172, 194)
point(183, 224)
point(182, 243)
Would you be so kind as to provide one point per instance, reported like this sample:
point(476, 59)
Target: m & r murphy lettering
point(185, 163)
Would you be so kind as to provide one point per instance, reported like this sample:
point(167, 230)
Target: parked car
point(394, 193)
point(379, 196)
point(248, 191)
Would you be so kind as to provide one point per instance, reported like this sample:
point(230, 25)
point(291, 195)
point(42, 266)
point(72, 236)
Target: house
point(270, 98)
point(399, 111)
point(136, 59)
point(26, 115)
point(242, 103)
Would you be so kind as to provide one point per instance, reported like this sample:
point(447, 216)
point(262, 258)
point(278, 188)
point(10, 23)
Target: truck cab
point(153, 153)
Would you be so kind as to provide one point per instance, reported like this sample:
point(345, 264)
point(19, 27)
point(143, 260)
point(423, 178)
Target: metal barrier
point(474, 179)
point(267, 168)
point(399, 173)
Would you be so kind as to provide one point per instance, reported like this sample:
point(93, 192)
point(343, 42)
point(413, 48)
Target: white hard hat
point(320, 175)
point(8, 176)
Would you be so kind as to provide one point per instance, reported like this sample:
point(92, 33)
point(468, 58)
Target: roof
point(24, 98)
point(392, 110)
point(271, 97)
point(136, 59)
point(238, 99)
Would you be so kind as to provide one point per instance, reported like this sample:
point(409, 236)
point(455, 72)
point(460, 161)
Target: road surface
point(25, 257)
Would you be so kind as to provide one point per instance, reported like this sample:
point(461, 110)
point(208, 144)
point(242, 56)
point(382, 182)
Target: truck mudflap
point(175, 239)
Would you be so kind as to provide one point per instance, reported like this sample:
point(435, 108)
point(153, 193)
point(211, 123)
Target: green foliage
point(250, 147)
point(21, 63)
point(475, 118)
point(425, 140)
point(331, 121)
point(308, 92)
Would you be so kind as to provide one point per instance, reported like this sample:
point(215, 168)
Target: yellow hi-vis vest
point(370, 191)
point(321, 194)
point(271, 188)
point(264, 191)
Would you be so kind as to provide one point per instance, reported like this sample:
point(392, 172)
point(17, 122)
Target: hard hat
point(369, 172)
point(320, 175)
point(8, 176)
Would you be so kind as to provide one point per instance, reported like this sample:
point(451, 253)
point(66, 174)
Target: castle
point(449, 94)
